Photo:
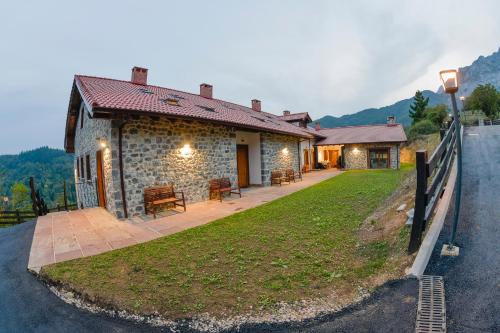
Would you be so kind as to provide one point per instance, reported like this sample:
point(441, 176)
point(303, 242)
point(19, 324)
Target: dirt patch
point(387, 220)
point(427, 142)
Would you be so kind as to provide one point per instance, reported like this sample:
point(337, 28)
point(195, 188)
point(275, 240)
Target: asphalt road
point(472, 280)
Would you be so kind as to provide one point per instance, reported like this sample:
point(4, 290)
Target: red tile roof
point(108, 94)
point(362, 134)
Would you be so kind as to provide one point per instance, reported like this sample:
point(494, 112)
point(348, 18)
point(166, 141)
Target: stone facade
point(152, 156)
point(356, 155)
point(86, 144)
point(278, 152)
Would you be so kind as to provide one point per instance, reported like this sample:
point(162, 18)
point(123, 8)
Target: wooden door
point(242, 165)
point(335, 158)
point(101, 189)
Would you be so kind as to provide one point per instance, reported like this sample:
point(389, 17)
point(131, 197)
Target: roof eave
point(120, 113)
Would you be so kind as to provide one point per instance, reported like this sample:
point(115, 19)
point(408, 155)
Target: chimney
point(206, 90)
point(286, 113)
point(391, 121)
point(140, 76)
point(317, 126)
point(256, 105)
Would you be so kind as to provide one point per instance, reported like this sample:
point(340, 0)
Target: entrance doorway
point(242, 165)
point(379, 158)
point(101, 189)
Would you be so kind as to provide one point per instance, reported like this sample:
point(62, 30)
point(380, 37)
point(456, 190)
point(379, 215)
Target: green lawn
point(300, 246)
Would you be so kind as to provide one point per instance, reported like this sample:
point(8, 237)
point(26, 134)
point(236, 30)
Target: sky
point(323, 57)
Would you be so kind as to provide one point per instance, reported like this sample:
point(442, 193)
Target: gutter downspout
point(120, 158)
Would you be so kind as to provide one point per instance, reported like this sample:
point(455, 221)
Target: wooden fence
point(39, 208)
point(432, 175)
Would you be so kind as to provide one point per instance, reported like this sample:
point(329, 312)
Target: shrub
point(437, 114)
point(423, 127)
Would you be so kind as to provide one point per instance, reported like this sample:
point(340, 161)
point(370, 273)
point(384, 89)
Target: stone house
point(128, 135)
point(361, 147)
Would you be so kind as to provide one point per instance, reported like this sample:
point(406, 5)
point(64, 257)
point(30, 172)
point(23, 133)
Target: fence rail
point(432, 175)
point(15, 216)
point(39, 208)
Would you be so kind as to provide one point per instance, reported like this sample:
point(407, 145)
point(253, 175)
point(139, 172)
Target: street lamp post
point(450, 85)
point(462, 98)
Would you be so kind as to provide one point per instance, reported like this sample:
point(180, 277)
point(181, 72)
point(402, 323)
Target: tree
point(20, 196)
point(437, 114)
point(418, 107)
point(485, 98)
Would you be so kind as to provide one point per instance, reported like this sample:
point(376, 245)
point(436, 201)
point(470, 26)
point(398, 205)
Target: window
point(78, 167)
point(82, 113)
point(82, 173)
point(87, 166)
point(378, 158)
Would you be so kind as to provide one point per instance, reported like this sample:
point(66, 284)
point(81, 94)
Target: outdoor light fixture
point(102, 142)
point(449, 78)
point(450, 85)
point(186, 150)
point(285, 151)
point(355, 150)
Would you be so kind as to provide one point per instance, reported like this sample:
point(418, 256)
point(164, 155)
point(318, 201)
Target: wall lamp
point(186, 150)
point(102, 142)
point(285, 151)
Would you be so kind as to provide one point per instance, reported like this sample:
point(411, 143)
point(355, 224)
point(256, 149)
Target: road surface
point(472, 280)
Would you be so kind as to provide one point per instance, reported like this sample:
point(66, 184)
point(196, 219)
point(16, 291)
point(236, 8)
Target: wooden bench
point(290, 174)
point(278, 178)
point(219, 186)
point(162, 195)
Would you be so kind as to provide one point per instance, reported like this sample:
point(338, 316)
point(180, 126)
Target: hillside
point(481, 71)
point(50, 167)
point(379, 116)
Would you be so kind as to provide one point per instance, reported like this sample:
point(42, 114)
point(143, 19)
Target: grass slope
point(304, 245)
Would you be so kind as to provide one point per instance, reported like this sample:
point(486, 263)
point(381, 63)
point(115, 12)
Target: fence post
point(33, 197)
point(18, 217)
point(65, 197)
point(419, 212)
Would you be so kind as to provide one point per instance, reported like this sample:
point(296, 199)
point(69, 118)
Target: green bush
point(437, 114)
point(423, 127)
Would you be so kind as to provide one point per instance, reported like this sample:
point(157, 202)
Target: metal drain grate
point(431, 313)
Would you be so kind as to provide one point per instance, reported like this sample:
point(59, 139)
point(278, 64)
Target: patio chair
point(219, 186)
point(291, 175)
point(278, 178)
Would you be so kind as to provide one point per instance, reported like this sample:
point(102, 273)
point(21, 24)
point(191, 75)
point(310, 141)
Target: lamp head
point(449, 78)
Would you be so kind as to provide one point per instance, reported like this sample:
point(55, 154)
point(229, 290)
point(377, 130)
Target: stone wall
point(86, 144)
point(278, 152)
point(356, 156)
point(152, 156)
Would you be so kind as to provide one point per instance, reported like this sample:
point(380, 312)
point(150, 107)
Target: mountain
point(481, 71)
point(49, 167)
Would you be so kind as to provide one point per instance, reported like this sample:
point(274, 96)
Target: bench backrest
point(276, 174)
point(158, 192)
point(218, 183)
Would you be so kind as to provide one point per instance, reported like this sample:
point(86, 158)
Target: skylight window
point(171, 101)
point(175, 96)
point(258, 119)
point(146, 91)
point(206, 108)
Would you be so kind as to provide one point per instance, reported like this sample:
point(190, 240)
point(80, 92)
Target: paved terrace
point(69, 235)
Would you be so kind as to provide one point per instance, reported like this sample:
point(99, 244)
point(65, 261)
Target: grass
point(304, 245)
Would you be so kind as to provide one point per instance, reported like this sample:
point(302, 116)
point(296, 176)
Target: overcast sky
point(323, 57)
